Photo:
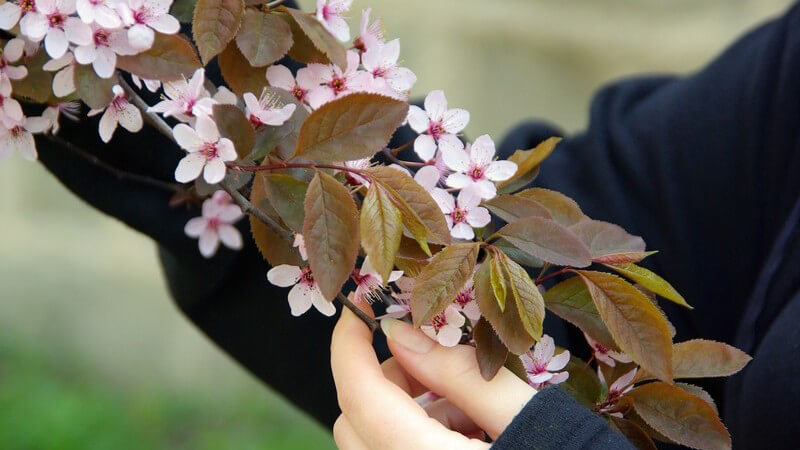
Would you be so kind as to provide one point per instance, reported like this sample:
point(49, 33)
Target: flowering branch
point(150, 117)
point(371, 323)
point(288, 165)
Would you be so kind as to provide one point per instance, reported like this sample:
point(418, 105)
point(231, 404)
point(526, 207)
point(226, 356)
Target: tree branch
point(369, 321)
point(150, 117)
point(249, 208)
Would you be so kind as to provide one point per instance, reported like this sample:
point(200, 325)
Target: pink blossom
point(475, 168)
point(329, 13)
point(337, 83)
point(216, 225)
point(300, 244)
point(427, 177)
point(353, 178)
point(11, 11)
point(11, 53)
point(10, 110)
point(542, 367)
point(52, 21)
point(281, 77)
point(186, 100)
point(64, 79)
point(466, 303)
point(102, 52)
point(119, 111)
point(438, 126)
point(266, 110)
point(369, 283)
point(151, 85)
point(606, 355)
point(618, 388)
point(143, 16)
point(462, 214)
point(304, 292)
point(402, 305)
point(208, 152)
point(17, 135)
point(445, 327)
point(371, 35)
point(381, 62)
point(101, 12)
point(70, 110)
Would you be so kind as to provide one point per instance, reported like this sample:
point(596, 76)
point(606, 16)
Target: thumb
point(453, 373)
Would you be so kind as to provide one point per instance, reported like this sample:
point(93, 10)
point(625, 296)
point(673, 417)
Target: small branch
point(395, 151)
point(120, 174)
point(150, 117)
point(391, 157)
point(552, 275)
point(248, 208)
point(288, 165)
point(369, 321)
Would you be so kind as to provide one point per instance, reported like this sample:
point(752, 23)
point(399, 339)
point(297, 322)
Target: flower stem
point(369, 321)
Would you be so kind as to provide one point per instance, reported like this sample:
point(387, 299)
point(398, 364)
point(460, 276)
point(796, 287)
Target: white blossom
point(118, 112)
point(208, 152)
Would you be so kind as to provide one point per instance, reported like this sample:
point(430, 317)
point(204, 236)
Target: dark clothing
point(706, 168)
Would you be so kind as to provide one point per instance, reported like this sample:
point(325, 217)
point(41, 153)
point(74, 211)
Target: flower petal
point(206, 129)
point(449, 336)
point(462, 231)
point(186, 137)
point(501, 170)
point(230, 236)
point(482, 151)
point(427, 177)
point(108, 124)
point(455, 120)
point(165, 24)
point(214, 171)
point(284, 275)
point(418, 119)
point(425, 147)
point(478, 217)
point(558, 362)
point(458, 180)
point(209, 243)
point(324, 306)
point(280, 76)
point(300, 299)
point(189, 167)
point(443, 199)
point(195, 227)
point(436, 105)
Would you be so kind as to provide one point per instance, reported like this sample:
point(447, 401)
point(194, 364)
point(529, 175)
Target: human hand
point(377, 400)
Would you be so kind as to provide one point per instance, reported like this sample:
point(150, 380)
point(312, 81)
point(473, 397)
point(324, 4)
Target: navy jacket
point(706, 168)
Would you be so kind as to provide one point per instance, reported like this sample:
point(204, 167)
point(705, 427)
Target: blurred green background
point(93, 355)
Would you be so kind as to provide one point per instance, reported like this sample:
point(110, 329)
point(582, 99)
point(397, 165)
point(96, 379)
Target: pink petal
point(540, 377)
point(443, 199)
point(280, 76)
point(206, 129)
point(300, 298)
point(10, 13)
point(425, 147)
point(189, 167)
point(486, 189)
point(195, 227)
point(418, 119)
point(209, 243)
point(449, 336)
point(436, 105)
point(187, 138)
point(324, 306)
point(230, 236)
point(214, 171)
point(130, 118)
point(458, 180)
point(338, 27)
point(226, 150)
point(468, 200)
point(14, 48)
point(56, 43)
point(454, 317)
point(165, 24)
point(455, 120)
point(479, 217)
point(141, 37)
point(427, 177)
point(501, 170)
point(77, 31)
point(559, 361)
point(482, 151)
point(559, 377)
point(108, 124)
point(462, 231)
point(64, 82)
point(544, 349)
point(284, 275)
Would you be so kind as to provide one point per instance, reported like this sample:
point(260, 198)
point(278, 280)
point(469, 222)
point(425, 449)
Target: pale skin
point(377, 400)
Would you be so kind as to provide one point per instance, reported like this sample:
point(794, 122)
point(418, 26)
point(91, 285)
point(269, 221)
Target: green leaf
point(330, 231)
point(634, 433)
point(680, 416)
point(215, 24)
point(421, 214)
point(239, 75)
point(507, 323)
point(91, 89)
point(352, 127)
point(571, 300)
point(381, 229)
point(528, 160)
point(183, 10)
point(604, 239)
point(582, 384)
point(233, 124)
point(638, 327)
point(171, 57)
point(490, 352)
point(273, 248)
point(563, 209)
point(312, 42)
point(263, 38)
point(441, 280)
point(498, 278)
point(511, 208)
point(282, 139)
point(528, 299)
point(548, 241)
point(651, 281)
point(287, 195)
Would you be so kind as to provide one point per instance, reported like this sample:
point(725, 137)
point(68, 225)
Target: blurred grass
point(92, 353)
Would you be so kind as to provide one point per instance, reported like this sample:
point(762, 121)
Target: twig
point(395, 151)
point(150, 117)
point(290, 165)
point(248, 208)
point(120, 174)
point(552, 275)
point(371, 323)
point(391, 157)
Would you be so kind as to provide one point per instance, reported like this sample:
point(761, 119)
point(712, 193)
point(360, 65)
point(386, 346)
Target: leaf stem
point(541, 280)
point(369, 321)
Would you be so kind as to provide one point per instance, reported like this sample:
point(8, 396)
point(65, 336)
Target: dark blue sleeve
point(554, 420)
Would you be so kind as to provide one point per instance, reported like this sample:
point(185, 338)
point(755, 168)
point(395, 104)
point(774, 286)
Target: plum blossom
point(604, 354)
point(70, 110)
point(52, 21)
point(151, 85)
point(337, 83)
point(381, 62)
point(369, 283)
point(208, 152)
point(437, 125)
point(370, 35)
point(402, 305)
point(18, 135)
point(118, 112)
point(186, 100)
point(618, 388)
point(11, 53)
point(475, 168)
point(353, 178)
point(266, 110)
point(466, 303)
point(542, 367)
point(64, 79)
point(216, 225)
point(463, 213)
point(11, 11)
point(427, 177)
point(143, 16)
point(304, 292)
point(329, 13)
point(102, 51)
point(445, 327)
point(281, 77)
point(224, 96)
point(101, 12)
point(10, 109)
point(300, 244)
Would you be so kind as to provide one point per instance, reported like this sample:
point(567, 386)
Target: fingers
point(394, 372)
point(453, 418)
point(453, 373)
point(345, 435)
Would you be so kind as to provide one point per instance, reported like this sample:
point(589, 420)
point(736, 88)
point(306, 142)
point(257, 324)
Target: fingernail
point(405, 335)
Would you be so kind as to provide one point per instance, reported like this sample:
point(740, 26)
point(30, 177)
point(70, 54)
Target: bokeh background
point(93, 355)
